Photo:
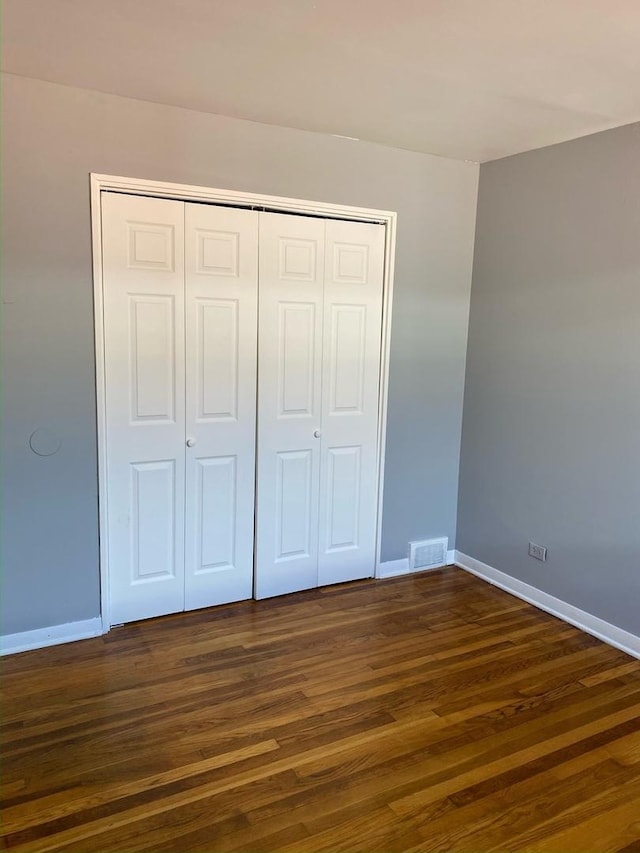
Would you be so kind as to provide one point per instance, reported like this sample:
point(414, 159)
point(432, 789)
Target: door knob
point(191, 442)
point(316, 433)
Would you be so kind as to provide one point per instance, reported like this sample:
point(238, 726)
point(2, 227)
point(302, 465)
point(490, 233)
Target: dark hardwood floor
point(428, 713)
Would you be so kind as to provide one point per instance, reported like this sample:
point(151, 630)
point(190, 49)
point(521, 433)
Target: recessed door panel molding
point(152, 357)
point(348, 358)
point(350, 263)
point(217, 359)
point(153, 520)
point(289, 402)
point(296, 359)
point(216, 488)
point(343, 498)
point(353, 294)
point(294, 478)
point(152, 246)
point(143, 303)
point(298, 259)
point(217, 252)
point(221, 301)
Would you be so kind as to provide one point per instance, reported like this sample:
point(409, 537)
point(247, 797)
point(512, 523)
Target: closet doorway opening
point(242, 341)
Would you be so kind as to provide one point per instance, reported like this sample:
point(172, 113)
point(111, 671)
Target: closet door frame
point(184, 192)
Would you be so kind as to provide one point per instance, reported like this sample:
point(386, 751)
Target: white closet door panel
point(354, 263)
point(143, 242)
point(289, 402)
point(221, 266)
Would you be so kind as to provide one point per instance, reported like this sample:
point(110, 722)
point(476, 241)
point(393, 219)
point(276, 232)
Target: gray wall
point(551, 432)
point(53, 137)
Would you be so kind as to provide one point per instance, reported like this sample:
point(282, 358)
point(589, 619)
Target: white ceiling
point(469, 79)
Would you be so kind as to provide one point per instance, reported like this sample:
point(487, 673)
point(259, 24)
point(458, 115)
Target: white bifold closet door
point(180, 297)
point(221, 264)
point(320, 317)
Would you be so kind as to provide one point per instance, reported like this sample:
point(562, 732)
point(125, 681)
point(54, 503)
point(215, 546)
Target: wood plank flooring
point(427, 713)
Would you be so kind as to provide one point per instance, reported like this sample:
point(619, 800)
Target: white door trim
point(185, 192)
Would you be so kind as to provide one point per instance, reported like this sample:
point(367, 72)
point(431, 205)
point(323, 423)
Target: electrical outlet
point(539, 552)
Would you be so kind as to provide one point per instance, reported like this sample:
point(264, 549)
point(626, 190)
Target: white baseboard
point(53, 636)
point(395, 568)
point(614, 636)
